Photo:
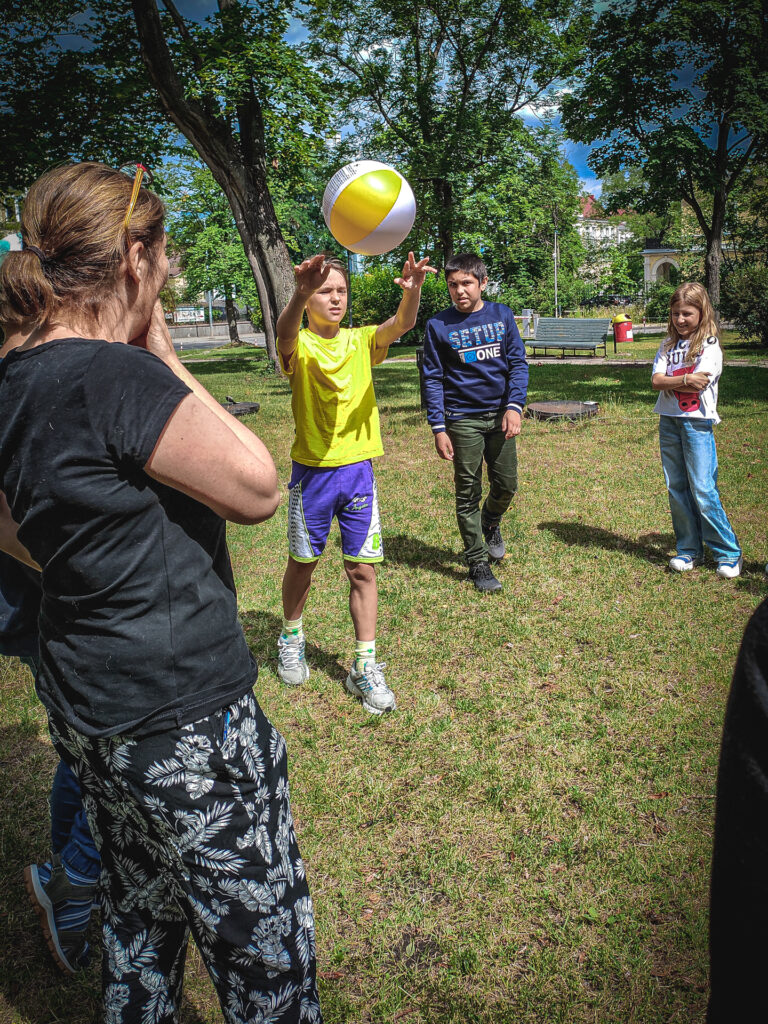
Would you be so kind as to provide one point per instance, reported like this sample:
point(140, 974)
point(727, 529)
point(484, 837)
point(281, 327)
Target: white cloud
point(592, 185)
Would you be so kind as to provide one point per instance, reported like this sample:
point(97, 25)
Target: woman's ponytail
point(26, 294)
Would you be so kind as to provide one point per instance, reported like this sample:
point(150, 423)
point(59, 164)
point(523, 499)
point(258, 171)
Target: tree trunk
point(714, 255)
point(229, 304)
point(443, 192)
point(712, 263)
point(238, 164)
point(250, 201)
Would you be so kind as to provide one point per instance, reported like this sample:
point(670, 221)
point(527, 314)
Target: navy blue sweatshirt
point(473, 363)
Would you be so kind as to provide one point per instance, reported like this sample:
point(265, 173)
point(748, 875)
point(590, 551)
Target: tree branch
point(205, 130)
point(741, 165)
point(375, 94)
point(184, 32)
point(689, 195)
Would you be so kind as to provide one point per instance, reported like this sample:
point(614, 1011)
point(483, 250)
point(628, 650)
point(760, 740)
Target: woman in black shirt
point(117, 471)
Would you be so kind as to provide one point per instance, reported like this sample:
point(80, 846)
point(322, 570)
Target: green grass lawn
point(645, 346)
point(642, 348)
point(527, 839)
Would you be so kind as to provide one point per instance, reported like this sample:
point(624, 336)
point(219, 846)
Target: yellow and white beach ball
point(369, 207)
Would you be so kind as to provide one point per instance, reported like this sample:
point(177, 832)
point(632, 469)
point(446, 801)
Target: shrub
point(657, 304)
point(744, 300)
point(375, 298)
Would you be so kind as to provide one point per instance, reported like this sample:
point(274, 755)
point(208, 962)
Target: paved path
point(588, 361)
point(184, 345)
point(190, 344)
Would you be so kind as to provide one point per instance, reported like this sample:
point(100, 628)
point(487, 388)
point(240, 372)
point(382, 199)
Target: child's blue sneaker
point(731, 568)
point(63, 900)
point(683, 563)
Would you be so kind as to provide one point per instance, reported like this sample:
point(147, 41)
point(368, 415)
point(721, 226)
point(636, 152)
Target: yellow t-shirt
point(333, 402)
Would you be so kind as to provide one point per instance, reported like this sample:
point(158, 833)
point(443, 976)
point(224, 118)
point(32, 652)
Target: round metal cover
point(241, 408)
point(562, 410)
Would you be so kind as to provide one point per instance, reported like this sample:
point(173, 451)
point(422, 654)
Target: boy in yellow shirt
point(337, 435)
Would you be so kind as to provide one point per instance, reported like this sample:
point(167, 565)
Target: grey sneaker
point(731, 569)
point(371, 688)
point(292, 667)
point(495, 542)
point(482, 576)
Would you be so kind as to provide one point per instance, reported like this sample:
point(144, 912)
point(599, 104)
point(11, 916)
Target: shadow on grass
point(258, 370)
point(412, 551)
point(753, 578)
point(653, 547)
point(261, 632)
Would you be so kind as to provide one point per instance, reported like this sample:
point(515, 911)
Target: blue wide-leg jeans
point(70, 833)
point(689, 460)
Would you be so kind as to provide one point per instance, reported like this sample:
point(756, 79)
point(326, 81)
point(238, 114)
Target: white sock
point(365, 650)
point(293, 630)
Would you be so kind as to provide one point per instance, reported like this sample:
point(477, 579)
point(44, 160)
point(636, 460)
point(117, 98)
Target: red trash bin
point(622, 328)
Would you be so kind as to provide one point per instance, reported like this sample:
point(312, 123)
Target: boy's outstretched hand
point(311, 274)
point(414, 273)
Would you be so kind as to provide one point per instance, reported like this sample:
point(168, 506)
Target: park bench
point(571, 335)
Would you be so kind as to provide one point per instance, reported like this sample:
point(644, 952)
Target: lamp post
point(556, 256)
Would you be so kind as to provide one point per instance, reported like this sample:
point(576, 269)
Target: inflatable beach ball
point(369, 207)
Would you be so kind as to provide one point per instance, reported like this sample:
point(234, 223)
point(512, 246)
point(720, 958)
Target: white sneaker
point(371, 688)
point(683, 563)
point(292, 667)
point(731, 569)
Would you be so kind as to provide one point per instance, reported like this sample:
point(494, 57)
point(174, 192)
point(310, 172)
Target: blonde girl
point(686, 372)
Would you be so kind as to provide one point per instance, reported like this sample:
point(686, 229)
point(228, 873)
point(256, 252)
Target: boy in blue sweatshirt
point(476, 381)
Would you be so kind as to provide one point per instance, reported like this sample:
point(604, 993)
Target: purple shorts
point(317, 494)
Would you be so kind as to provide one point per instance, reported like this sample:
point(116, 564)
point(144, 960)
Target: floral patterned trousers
point(195, 832)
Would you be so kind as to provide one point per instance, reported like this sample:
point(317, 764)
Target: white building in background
point(598, 230)
point(659, 261)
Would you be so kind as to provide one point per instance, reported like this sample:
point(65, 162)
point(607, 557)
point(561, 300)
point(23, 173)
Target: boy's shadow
point(412, 551)
point(261, 632)
point(653, 547)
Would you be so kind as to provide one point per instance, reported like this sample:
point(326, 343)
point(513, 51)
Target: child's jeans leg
point(70, 833)
point(468, 439)
point(501, 459)
point(685, 516)
point(698, 442)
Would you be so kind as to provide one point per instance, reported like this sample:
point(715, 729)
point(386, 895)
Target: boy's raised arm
point(414, 274)
point(310, 275)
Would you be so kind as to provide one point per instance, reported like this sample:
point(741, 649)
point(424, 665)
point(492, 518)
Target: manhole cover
point(241, 408)
point(562, 410)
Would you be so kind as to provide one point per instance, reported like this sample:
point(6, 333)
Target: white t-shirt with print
point(675, 362)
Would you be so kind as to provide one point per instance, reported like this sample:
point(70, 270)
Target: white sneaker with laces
point(370, 687)
point(731, 569)
point(683, 563)
point(292, 667)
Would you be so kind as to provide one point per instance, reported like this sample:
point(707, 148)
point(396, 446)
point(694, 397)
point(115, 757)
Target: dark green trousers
point(474, 439)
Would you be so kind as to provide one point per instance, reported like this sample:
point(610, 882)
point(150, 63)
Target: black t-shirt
point(138, 624)
point(19, 604)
